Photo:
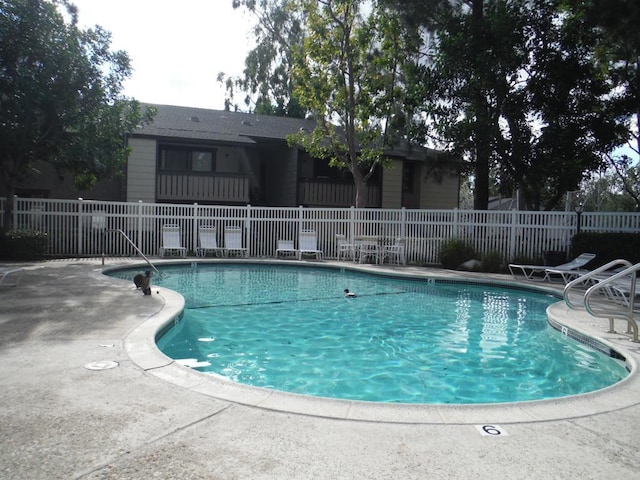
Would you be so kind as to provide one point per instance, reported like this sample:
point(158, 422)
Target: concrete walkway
point(66, 415)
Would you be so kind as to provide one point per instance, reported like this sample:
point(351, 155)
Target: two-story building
point(189, 155)
point(220, 157)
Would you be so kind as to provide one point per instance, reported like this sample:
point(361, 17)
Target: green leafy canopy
point(60, 99)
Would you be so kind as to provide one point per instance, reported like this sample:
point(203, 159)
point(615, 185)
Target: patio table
point(367, 247)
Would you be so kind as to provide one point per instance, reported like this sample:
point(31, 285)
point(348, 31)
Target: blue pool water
point(401, 340)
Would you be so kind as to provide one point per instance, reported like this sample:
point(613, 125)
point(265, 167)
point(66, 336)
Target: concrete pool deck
point(66, 415)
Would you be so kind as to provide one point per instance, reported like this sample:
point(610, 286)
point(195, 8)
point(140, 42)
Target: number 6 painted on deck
point(491, 430)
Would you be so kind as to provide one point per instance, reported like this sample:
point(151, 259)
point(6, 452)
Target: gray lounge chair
point(286, 248)
point(567, 270)
point(233, 242)
point(308, 243)
point(171, 241)
point(208, 241)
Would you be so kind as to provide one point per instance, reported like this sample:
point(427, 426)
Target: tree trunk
point(482, 130)
point(360, 187)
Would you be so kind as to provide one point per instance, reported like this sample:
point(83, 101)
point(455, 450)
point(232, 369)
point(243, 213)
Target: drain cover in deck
point(104, 365)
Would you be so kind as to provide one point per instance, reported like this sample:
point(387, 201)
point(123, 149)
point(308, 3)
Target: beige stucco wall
point(141, 170)
point(45, 181)
point(437, 195)
point(392, 185)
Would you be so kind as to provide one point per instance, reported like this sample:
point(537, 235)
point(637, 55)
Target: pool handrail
point(614, 297)
point(121, 232)
point(594, 276)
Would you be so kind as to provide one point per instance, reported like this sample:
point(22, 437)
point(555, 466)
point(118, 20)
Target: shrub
point(455, 252)
point(526, 260)
point(492, 262)
point(607, 246)
point(23, 244)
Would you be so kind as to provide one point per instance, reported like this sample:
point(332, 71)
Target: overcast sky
point(176, 48)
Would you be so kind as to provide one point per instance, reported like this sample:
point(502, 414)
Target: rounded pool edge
point(140, 346)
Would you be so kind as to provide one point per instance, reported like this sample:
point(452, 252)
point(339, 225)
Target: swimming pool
point(402, 340)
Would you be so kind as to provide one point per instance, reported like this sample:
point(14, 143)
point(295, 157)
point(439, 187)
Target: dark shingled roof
point(220, 125)
point(247, 128)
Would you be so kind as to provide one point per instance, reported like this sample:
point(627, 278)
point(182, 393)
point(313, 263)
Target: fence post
point(247, 233)
point(456, 221)
point(140, 222)
point(80, 224)
point(15, 211)
point(195, 227)
point(513, 236)
point(300, 218)
point(403, 223)
point(352, 221)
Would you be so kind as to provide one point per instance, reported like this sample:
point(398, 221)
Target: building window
point(176, 160)
point(202, 161)
point(184, 159)
point(321, 169)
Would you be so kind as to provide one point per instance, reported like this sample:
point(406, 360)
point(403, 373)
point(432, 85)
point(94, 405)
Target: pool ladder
point(121, 232)
point(611, 292)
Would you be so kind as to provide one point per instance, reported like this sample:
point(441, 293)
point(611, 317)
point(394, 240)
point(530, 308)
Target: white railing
point(80, 227)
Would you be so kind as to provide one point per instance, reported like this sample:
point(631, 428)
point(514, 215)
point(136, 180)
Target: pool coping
point(141, 348)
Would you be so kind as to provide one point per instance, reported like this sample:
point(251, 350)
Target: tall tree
point(614, 189)
point(345, 63)
point(614, 23)
point(515, 89)
point(60, 98)
point(350, 74)
point(266, 80)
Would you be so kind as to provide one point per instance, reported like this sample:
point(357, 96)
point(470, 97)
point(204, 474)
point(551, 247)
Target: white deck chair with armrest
point(544, 272)
point(395, 253)
point(233, 241)
point(207, 235)
point(368, 249)
point(345, 249)
point(286, 248)
point(308, 244)
point(171, 241)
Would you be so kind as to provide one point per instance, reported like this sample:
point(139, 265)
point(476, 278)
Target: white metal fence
point(86, 228)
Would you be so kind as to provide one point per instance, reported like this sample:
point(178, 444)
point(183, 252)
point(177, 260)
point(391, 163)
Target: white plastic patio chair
point(286, 248)
point(233, 242)
point(308, 244)
point(171, 241)
point(207, 236)
point(345, 249)
point(394, 253)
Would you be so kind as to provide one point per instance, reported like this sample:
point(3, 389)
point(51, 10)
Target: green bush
point(607, 246)
point(522, 259)
point(23, 244)
point(455, 252)
point(492, 262)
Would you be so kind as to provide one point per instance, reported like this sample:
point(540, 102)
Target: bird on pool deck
point(348, 294)
point(143, 282)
